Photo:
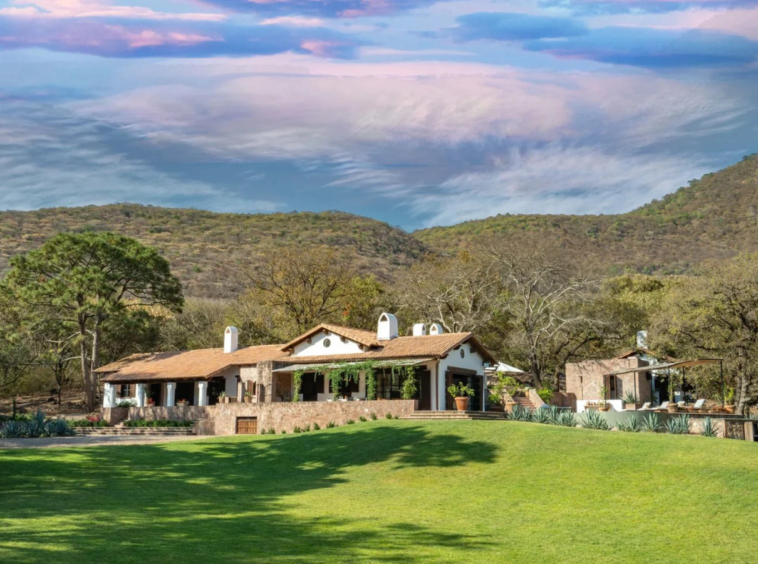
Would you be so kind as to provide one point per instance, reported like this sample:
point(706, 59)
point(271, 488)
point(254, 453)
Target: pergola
point(683, 364)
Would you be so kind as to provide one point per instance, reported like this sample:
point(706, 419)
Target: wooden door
point(247, 425)
point(424, 390)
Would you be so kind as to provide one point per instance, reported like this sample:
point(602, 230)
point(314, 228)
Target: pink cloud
point(96, 9)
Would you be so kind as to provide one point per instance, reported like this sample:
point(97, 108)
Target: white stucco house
point(266, 373)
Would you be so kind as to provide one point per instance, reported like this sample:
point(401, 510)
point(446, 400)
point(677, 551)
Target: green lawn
point(406, 491)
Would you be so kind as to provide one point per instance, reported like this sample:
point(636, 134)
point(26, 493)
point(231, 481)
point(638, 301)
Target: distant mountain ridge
point(714, 217)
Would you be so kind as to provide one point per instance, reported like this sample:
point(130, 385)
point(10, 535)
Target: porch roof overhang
point(667, 366)
point(377, 364)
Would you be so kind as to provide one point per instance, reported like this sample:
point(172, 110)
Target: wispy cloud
point(136, 38)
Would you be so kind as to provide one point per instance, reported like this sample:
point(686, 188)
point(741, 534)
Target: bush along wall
point(35, 427)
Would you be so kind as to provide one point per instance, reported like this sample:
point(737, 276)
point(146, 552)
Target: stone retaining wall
point(221, 419)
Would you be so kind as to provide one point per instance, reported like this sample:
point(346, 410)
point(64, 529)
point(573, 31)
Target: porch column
point(141, 395)
point(170, 394)
point(109, 395)
point(202, 393)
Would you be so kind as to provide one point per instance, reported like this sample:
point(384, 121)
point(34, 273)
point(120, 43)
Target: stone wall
point(221, 419)
point(114, 415)
point(585, 379)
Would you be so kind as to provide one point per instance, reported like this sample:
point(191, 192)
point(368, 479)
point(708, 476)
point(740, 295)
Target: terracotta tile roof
point(205, 363)
point(360, 336)
point(169, 366)
point(434, 346)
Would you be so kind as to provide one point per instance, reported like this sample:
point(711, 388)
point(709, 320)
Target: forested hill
point(210, 251)
point(715, 217)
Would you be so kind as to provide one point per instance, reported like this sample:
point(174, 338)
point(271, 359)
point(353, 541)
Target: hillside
point(715, 217)
point(210, 251)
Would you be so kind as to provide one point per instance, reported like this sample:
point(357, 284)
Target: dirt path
point(59, 442)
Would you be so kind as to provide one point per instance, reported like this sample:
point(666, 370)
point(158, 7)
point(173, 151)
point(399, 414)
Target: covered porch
point(311, 382)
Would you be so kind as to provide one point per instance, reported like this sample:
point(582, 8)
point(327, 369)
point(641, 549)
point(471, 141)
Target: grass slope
point(387, 491)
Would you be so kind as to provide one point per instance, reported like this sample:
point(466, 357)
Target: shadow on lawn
point(225, 501)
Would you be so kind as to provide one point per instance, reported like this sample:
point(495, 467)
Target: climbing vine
point(409, 383)
point(297, 378)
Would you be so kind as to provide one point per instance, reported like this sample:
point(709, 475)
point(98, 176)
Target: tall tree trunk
point(86, 373)
point(95, 360)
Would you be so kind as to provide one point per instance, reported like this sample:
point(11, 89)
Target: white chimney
point(387, 328)
point(419, 330)
point(231, 340)
point(436, 329)
point(641, 339)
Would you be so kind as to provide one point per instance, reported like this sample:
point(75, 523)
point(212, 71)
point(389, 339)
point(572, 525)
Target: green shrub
point(709, 428)
point(59, 428)
point(594, 420)
point(546, 394)
point(633, 425)
point(126, 403)
point(553, 414)
point(651, 423)
point(521, 413)
point(35, 427)
point(629, 397)
point(363, 419)
point(297, 429)
point(307, 428)
point(87, 423)
point(389, 416)
point(680, 425)
point(541, 416)
point(284, 431)
point(316, 427)
point(331, 425)
point(350, 422)
point(373, 416)
point(566, 419)
point(13, 430)
point(157, 423)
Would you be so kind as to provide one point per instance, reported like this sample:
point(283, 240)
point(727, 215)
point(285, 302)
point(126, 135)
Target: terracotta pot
point(631, 406)
point(604, 408)
point(729, 409)
point(672, 408)
point(461, 404)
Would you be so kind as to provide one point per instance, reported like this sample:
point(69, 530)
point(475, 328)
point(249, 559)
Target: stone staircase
point(524, 402)
point(123, 431)
point(456, 416)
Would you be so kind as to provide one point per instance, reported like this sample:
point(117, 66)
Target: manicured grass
point(460, 491)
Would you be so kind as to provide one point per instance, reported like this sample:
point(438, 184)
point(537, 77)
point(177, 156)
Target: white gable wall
point(316, 346)
point(471, 360)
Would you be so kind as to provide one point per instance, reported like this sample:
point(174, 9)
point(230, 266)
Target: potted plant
point(672, 407)
point(729, 401)
point(461, 392)
point(631, 402)
point(248, 398)
point(182, 403)
point(223, 398)
point(604, 405)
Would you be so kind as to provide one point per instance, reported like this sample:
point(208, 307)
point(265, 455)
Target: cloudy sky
point(416, 112)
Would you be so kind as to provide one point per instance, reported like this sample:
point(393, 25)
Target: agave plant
point(13, 430)
point(521, 413)
point(651, 424)
point(553, 413)
point(633, 425)
point(566, 419)
point(594, 420)
point(679, 425)
point(35, 427)
point(709, 428)
point(59, 428)
point(541, 415)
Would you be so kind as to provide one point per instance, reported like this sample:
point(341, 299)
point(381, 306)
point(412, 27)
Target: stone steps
point(456, 416)
point(134, 431)
point(524, 402)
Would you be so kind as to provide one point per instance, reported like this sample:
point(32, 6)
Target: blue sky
point(415, 112)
